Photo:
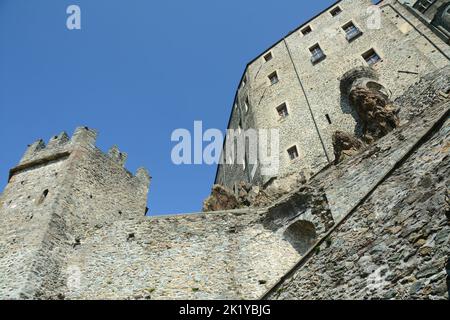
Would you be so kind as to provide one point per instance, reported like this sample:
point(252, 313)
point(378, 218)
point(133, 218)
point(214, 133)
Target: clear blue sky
point(136, 71)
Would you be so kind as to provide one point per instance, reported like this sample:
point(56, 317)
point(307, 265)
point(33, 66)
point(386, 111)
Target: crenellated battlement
point(116, 155)
point(62, 145)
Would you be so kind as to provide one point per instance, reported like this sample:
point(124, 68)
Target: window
point(423, 5)
point(371, 57)
point(273, 77)
point(306, 30)
point(317, 54)
point(268, 57)
point(328, 118)
point(282, 111)
point(293, 153)
point(43, 197)
point(335, 11)
point(351, 31)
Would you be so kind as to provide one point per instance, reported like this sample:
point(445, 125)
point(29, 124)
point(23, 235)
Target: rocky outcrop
point(220, 199)
point(250, 196)
point(377, 114)
point(345, 145)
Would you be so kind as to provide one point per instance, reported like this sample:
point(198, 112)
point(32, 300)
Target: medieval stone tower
point(54, 195)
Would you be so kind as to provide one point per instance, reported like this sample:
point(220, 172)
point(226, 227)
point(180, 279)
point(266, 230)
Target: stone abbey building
point(295, 85)
point(374, 226)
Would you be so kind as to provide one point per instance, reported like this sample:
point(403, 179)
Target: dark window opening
point(328, 118)
point(371, 57)
point(131, 237)
point(268, 57)
point(336, 11)
point(43, 196)
point(293, 153)
point(273, 77)
point(282, 111)
point(423, 5)
point(146, 211)
point(351, 31)
point(317, 54)
point(307, 30)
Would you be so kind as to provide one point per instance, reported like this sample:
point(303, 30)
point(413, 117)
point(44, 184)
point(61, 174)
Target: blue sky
point(136, 71)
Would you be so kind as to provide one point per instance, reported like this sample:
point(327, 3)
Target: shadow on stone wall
point(347, 109)
point(301, 235)
point(447, 268)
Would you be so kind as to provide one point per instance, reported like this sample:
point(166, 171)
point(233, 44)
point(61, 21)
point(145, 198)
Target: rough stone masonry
point(375, 225)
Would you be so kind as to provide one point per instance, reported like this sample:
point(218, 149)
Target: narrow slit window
point(43, 196)
point(328, 118)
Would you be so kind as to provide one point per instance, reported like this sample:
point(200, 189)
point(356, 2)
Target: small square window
point(351, 31)
point(336, 11)
point(293, 153)
point(306, 30)
point(282, 111)
point(371, 57)
point(317, 54)
point(273, 77)
point(268, 57)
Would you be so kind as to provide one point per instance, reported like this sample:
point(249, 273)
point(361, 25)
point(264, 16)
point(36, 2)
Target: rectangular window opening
point(317, 54)
point(273, 77)
point(282, 111)
point(328, 118)
point(334, 12)
point(371, 57)
point(293, 153)
point(306, 30)
point(268, 57)
point(351, 31)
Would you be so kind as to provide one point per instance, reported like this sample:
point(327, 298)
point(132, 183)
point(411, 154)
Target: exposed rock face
point(345, 145)
point(247, 195)
point(377, 114)
point(221, 199)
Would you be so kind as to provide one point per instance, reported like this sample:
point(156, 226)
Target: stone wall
point(224, 255)
point(56, 191)
point(396, 245)
point(408, 50)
